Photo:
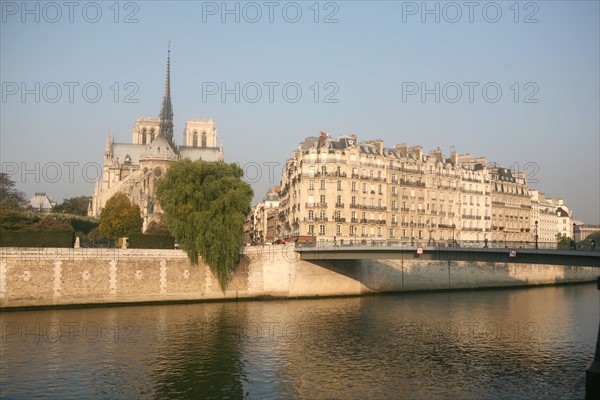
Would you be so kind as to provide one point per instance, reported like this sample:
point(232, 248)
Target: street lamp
point(536, 235)
point(453, 241)
point(574, 241)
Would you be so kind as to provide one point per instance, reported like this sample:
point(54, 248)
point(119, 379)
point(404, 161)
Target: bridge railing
point(416, 243)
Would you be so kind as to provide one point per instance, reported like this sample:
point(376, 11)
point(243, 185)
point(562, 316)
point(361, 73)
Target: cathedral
point(134, 168)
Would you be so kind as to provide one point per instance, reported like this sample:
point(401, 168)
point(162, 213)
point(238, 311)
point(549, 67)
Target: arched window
point(195, 140)
point(203, 139)
point(152, 134)
point(144, 136)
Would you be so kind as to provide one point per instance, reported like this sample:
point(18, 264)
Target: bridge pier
point(592, 374)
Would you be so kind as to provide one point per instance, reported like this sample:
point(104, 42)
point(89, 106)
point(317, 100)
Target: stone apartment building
point(543, 211)
point(553, 217)
point(339, 189)
point(582, 231)
point(262, 224)
point(511, 206)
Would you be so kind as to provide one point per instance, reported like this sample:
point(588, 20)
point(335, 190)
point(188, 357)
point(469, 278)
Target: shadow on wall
point(413, 274)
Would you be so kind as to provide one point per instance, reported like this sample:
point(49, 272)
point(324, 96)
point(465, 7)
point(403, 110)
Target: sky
point(515, 82)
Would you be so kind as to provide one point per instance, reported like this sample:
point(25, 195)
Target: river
point(505, 343)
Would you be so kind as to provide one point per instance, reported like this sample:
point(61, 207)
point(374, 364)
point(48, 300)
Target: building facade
point(262, 224)
point(511, 207)
point(353, 193)
point(582, 231)
point(41, 203)
point(135, 168)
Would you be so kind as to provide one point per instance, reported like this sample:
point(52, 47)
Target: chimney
point(437, 154)
point(417, 151)
point(481, 160)
point(464, 158)
point(378, 144)
point(401, 148)
point(322, 137)
point(454, 157)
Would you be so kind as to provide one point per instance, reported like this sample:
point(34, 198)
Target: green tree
point(16, 219)
point(10, 197)
point(205, 205)
point(157, 228)
point(74, 205)
point(563, 242)
point(119, 217)
point(587, 243)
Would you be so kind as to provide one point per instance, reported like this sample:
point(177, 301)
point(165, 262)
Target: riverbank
point(31, 277)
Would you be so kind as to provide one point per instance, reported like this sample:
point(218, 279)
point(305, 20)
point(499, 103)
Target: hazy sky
point(517, 83)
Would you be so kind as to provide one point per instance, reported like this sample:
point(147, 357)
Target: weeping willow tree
point(205, 205)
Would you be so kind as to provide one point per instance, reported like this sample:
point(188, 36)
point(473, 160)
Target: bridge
point(329, 251)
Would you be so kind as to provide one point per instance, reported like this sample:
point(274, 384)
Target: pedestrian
point(593, 244)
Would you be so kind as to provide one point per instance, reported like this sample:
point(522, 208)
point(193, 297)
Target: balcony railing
point(316, 205)
point(472, 191)
point(409, 183)
point(446, 226)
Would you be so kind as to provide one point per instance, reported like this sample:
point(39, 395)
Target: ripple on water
point(532, 343)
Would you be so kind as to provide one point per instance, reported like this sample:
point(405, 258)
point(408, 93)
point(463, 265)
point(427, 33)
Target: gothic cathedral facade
point(135, 168)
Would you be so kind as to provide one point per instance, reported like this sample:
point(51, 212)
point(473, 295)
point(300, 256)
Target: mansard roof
point(40, 201)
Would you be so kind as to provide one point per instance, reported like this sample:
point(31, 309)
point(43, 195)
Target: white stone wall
point(52, 277)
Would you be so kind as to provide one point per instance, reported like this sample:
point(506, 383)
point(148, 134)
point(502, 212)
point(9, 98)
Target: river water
point(509, 343)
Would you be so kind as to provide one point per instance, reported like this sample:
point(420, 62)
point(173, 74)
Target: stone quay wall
point(33, 277)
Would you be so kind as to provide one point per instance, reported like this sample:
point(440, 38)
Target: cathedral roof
point(122, 152)
point(160, 148)
point(127, 153)
point(200, 153)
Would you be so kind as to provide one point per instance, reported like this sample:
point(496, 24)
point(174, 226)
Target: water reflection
point(197, 355)
point(487, 344)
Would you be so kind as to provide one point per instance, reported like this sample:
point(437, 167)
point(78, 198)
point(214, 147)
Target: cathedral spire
point(166, 111)
point(107, 148)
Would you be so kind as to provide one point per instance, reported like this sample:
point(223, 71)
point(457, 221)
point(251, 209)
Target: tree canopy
point(119, 217)
point(74, 205)
point(563, 242)
point(205, 205)
point(10, 197)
